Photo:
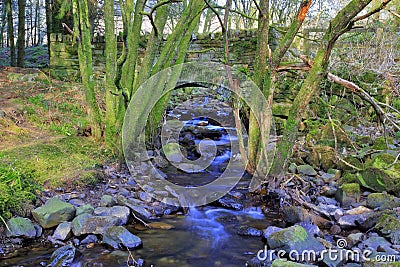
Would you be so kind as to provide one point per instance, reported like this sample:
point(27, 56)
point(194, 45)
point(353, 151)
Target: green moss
point(387, 224)
point(58, 160)
point(348, 178)
point(351, 189)
point(380, 143)
point(351, 163)
point(285, 263)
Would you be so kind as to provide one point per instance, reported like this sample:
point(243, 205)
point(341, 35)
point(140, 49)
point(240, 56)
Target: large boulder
point(118, 237)
point(382, 201)
point(53, 212)
point(382, 175)
point(21, 227)
point(89, 224)
point(294, 238)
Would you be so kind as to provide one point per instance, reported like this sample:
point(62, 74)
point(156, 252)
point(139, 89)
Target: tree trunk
point(21, 32)
point(82, 32)
point(113, 99)
point(339, 25)
point(10, 32)
point(265, 76)
point(49, 23)
point(3, 24)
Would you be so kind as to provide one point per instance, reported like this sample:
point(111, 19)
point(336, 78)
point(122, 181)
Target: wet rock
point(229, 202)
point(286, 263)
point(348, 194)
point(62, 257)
point(294, 238)
point(249, 231)
point(89, 240)
point(382, 201)
point(136, 206)
point(144, 196)
point(306, 170)
point(84, 209)
point(295, 214)
point(270, 230)
point(63, 231)
point(76, 202)
point(21, 227)
point(53, 212)
point(389, 226)
point(118, 237)
point(107, 201)
point(120, 212)
point(88, 224)
point(330, 211)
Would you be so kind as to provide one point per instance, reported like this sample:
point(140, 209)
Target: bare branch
point(237, 12)
point(258, 8)
point(376, 10)
point(154, 8)
point(217, 14)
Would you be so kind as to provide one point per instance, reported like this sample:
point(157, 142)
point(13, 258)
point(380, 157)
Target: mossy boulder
point(389, 226)
point(326, 135)
point(382, 201)
point(381, 174)
point(53, 212)
point(294, 238)
point(21, 227)
point(348, 194)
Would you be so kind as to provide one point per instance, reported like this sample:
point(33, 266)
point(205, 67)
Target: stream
point(205, 236)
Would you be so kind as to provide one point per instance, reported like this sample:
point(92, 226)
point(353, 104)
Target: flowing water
point(204, 237)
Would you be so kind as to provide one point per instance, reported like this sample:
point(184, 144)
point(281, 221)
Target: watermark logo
point(340, 253)
point(211, 77)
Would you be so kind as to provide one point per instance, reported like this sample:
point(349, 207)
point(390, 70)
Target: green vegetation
point(18, 188)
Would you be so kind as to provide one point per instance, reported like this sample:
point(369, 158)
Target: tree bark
point(49, 23)
point(339, 25)
point(21, 32)
point(10, 32)
point(82, 28)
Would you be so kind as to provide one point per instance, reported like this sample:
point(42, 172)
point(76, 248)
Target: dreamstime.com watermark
point(333, 254)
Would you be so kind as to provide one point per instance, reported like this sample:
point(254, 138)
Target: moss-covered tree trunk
point(21, 32)
point(173, 53)
point(265, 77)
point(10, 32)
point(339, 25)
point(82, 34)
point(113, 98)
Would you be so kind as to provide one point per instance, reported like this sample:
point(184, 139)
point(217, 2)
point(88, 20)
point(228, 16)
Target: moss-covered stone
point(389, 226)
point(349, 178)
point(348, 194)
point(382, 201)
point(381, 174)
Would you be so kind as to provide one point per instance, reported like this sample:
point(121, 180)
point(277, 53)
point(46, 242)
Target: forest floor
point(43, 131)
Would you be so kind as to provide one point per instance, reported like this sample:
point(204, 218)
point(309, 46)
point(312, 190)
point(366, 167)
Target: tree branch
point(153, 9)
point(376, 10)
point(217, 14)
